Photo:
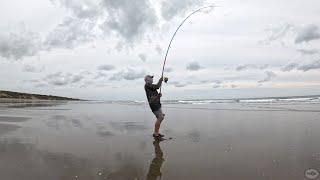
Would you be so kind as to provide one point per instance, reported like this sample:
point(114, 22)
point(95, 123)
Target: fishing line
point(194, 12)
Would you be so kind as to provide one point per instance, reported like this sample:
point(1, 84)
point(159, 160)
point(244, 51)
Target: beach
point(113, 140)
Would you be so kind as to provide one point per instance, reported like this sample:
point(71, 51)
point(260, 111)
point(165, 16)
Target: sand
point(88, 140)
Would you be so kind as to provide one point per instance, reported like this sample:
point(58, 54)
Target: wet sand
point(87, 140)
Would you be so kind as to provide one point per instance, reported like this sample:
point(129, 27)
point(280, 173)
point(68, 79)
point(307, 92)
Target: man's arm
point(155, 86)
point(159, 83)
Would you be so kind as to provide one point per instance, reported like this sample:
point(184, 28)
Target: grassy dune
point(26, 96)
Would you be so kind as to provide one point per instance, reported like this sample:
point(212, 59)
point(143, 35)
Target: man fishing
point(154, 102)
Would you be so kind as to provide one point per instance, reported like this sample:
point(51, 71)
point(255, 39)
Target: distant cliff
point(26, 96)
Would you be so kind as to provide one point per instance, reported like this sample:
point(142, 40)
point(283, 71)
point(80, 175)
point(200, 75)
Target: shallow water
point(88, 140)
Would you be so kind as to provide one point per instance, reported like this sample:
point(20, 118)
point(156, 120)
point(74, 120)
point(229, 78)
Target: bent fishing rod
point(167, 52)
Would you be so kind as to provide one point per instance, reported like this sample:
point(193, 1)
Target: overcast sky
point(102, 49)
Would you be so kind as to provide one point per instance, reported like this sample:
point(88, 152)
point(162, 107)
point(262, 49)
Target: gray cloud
point(308, 33)
point(302, 67)
point(193, 66)
point(178, 84)
point(172, 8)
point(41, 85)
point(215, 86)
point(269, 76)
point(245, 67)
point(308, 51)
point(70, 34)
point(233, 86)
point(289, 67)
point(81, 8)
point(310, 66)
point(32, 68)
point(62, 79)
point(128, 74)
point(106, 67)
point(168, 69)
point(158, 49)
point(128, 19)
point(217, 81)
point(86, 84)
point(100, 75)
point(250, 66)
point(278, 33)
point(18, 45)
point(143, 57)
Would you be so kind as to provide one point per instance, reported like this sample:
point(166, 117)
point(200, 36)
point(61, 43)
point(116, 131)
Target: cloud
point(158, 49)
point(82, 9)
point(250, 66)
point(308, 51)
point(128, 74)
point(172, 8)
point(128, 19)
point(277, 33)
point(289, 67)
point(302, 67)
point(106, 67)
point(100, 75)
point(245, 67)
point(86, 20)
point(310, 66)
point(269, 76)
point(178, 84)
point(215, 86)
point(17, 45)
point(217, 81)
point(262, 67)
point(168, 69)
point(32, 69)
point(308, 33)
point(62, 79)
point(70, 34)
point(233, 86)
point(143, 57)
point(41, 85)
point(193, 66)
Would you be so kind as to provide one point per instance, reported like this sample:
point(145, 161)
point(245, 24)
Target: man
point(154, 102)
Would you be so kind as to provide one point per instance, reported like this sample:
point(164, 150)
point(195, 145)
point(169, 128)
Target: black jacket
point(153, 96)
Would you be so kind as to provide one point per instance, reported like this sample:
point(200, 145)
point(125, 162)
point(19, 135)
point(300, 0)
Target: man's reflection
point(155, 166)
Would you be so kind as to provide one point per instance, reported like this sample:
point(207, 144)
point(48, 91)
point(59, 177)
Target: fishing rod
point(194, 12)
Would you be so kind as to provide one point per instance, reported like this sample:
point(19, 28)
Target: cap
point(148, 78)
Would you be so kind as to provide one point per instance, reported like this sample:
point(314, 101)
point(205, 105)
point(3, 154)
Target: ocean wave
point(265, 100)
point(295, 99)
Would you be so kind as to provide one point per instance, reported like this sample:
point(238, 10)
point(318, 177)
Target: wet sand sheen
point(13, 119)
point(111, 141)
point(5, 128)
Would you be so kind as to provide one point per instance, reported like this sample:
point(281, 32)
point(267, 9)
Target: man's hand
point(161, 79)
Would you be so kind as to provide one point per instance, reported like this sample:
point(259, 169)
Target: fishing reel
point(165, 79)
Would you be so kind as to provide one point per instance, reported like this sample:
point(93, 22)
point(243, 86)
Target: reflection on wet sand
point(23, 160)
point(155, 166)
point(5, 128)
point(13, 119)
